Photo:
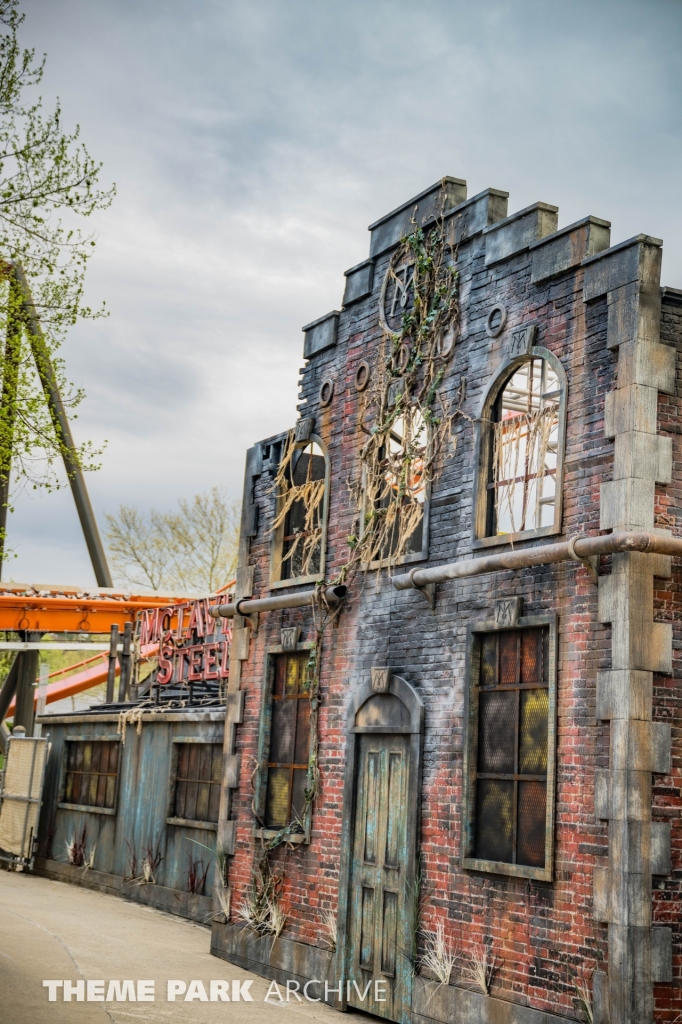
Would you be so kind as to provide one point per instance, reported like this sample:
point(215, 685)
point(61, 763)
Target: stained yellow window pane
point(277, 802)
point(534, 713)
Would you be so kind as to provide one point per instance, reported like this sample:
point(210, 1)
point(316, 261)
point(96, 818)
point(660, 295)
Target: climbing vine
point(411, 418)
point(310, 495)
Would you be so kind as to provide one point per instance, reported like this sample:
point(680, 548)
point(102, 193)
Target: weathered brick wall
point(543, 934)
point(667, 792)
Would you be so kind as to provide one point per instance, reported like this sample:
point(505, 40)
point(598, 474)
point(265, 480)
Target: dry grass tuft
point(479, 967)
point(584, 994)
point(329, 925)
point(438, 958)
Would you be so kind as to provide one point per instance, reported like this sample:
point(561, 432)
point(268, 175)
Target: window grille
point(289, 747)
point(197, 781)
point(510, 752)
point(91, 773)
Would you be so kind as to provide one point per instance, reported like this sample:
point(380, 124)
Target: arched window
point(521, 449)
point(300, 525)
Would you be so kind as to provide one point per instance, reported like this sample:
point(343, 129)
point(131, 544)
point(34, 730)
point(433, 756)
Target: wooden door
point(380, 920)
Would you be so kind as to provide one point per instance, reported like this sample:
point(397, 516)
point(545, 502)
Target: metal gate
point(20, 797)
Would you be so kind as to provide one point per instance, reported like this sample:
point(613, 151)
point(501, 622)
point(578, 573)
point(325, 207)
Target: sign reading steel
point(194, 650)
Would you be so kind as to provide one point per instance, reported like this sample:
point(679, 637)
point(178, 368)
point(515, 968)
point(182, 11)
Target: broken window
point(395, 503)
point(198, 774)
point(91, 773)
point(524, 450)
point(288, 743)
point(300, 523)
point(511, 751)
point(521, 451)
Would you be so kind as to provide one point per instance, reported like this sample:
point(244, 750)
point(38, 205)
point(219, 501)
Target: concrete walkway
point(51, 930)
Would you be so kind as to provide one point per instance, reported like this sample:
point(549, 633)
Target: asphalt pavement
point(52, 931)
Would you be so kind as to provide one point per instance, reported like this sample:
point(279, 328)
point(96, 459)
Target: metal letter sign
point(304, 429)
point(381, 677)
point(522, 340)
point(508, 612)
point(397, 294)
point(289, 637)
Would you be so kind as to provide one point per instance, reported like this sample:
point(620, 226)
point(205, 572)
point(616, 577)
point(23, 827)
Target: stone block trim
point(388, 230)
point(568, 247)
point(629, 276)
point(519, 231)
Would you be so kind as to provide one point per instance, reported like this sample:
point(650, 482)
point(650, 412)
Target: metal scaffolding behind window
point(289, 747)
point(91, 773)
point(525, 439)
point(510, 752)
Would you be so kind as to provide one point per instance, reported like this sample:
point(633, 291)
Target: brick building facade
point(496, 755)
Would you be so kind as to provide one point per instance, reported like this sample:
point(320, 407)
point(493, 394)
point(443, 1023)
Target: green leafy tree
point(48, 182)
point(190, 551)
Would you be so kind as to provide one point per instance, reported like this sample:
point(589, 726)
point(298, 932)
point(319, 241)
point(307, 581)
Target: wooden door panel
point(367, 929)
point(394, 810)
point(371, 787)
point(389, 936)
point(379, 927)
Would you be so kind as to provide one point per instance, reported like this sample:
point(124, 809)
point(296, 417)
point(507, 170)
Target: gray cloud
point(252, 143)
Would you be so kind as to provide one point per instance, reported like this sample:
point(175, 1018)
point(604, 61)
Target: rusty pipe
point(247, 606)
point(576, 548)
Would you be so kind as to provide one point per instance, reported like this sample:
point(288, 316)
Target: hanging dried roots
point(310, 494)
point(410, 415)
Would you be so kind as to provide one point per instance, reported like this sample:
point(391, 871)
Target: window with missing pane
point(525, 438)
point(299, 531)
point(520, 442)
point(396, 493)
point(511, 751)
point(289, 742)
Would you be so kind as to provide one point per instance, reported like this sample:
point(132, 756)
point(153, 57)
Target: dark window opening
point(302, 536)
point(511, 769)
point(197, 781)
point(91, 773)
point(287, 766)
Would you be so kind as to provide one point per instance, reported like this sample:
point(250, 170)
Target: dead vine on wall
point(311, 495)
point(410, 414)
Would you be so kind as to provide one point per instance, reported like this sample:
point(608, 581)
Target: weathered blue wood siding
point(143, 798)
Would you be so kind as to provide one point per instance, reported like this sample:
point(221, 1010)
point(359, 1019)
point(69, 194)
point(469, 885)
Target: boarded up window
point(511, 768)
point(91, 773)
point(197, 781)
point(287, 766)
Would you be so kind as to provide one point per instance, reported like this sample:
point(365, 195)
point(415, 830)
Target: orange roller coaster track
point(49, 609)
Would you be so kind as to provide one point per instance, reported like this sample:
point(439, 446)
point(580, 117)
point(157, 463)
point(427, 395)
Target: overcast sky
point(252, 143)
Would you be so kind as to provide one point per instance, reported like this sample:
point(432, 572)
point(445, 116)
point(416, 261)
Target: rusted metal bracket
point(251, 617)
point(591, 562)
point(428, 590)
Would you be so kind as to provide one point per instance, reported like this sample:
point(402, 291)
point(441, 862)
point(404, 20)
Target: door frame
point(408, 696)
